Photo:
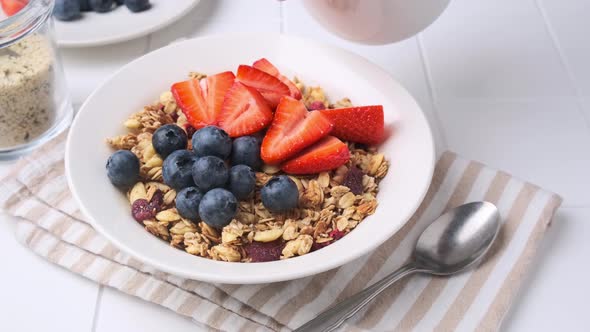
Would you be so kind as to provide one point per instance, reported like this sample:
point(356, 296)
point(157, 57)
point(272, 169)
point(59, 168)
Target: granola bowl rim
point(89, 184)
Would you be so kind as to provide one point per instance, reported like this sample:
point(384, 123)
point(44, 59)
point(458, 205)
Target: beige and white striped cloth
point(52, 226)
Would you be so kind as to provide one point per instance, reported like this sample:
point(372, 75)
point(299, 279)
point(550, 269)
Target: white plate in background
point(410, 150)
point(120, 24)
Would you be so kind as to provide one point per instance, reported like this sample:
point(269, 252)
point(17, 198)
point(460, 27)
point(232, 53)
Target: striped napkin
point(53, 227)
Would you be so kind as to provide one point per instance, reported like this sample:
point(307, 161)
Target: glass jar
point(34, 101)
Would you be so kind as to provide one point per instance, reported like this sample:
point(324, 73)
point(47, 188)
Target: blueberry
point(246, 151)
point(123, 168)
point(212, 141)
point(242, 181)
point(168, 139)
point(218, 207)
point(119, 2)
point(101, 6)
point(280, 194)
point(187, 203)
point(137, 5)
point(84, 5)
point(66, 10)
point(210, 172)
point(177, 169)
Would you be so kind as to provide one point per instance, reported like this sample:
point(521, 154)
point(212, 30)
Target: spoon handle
point(330, 319)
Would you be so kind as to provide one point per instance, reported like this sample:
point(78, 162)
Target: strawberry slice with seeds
point(217, 87)
point(191, 100)
point(292, 130)
point(11, 7)
point(363, 124)
point(265, 65)
point(201, 101)
point(244, 111)
point(327, 154)
point(269, 86)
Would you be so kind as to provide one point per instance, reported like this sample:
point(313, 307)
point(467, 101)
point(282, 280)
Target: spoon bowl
point(456, 239)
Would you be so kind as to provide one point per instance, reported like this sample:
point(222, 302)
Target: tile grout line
point(431, 92)
point(97, 308)
point(563, 60)
point(281, 17)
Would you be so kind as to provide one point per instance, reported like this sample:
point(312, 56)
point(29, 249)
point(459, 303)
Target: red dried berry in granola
point(265, 251)
point(142, 210)
point(174, 116)
point(354, 180)
point(316, 246)
point(157, 200)
point(317, 105)
point(336, 234)
point(190, 130)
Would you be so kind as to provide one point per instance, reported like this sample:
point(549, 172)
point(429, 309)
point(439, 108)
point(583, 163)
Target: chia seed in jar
point(27, 108)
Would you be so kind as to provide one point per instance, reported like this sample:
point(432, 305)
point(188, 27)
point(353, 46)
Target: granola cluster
point(331, 204)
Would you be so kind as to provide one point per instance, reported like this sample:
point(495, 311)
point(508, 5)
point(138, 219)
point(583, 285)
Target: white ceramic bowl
point(410, 150)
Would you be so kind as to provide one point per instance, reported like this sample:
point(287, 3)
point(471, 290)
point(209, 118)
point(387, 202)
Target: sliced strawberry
point(292, 130)
point(244, 111)
point(269, 86)
point(191, 100)
point(265, 65)
point(217, 87)
point(201, 101)
point(327, 154)
point(269, 68)
point(11, 7)
point(363, 124)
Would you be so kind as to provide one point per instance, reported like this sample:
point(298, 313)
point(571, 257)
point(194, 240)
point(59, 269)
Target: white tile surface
point(86, 68)
point(569, 23)
point(121, 312)
point(543, 141)
point(37, 295)
point(225, 16)
point(555, 295)
point(493, 49)
point(585, 105)
point(238, 12)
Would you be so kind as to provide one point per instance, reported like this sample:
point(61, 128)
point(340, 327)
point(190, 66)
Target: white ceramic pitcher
point(375, 21)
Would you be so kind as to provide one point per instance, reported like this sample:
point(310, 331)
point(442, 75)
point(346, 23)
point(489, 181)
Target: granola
point(331, 203)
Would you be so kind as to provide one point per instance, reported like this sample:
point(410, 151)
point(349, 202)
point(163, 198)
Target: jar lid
point(26, 21)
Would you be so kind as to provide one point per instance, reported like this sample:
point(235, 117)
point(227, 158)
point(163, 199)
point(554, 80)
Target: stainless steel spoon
point(453, 242)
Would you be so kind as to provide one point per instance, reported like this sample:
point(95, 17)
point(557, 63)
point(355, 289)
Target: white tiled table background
point(506, 82)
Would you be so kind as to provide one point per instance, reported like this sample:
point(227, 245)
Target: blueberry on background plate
point(280, 194)
point(137, 6)
point(212, 141)
point(168, 139)
point(246, 151)
point(187, 203)
point(218, 207)
point(101, 6)
point(210, 172)
point(177, 169)
point(119, 2)
point(66, 10)
point(84, 5)
point(242, 181)
point(123, 168)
